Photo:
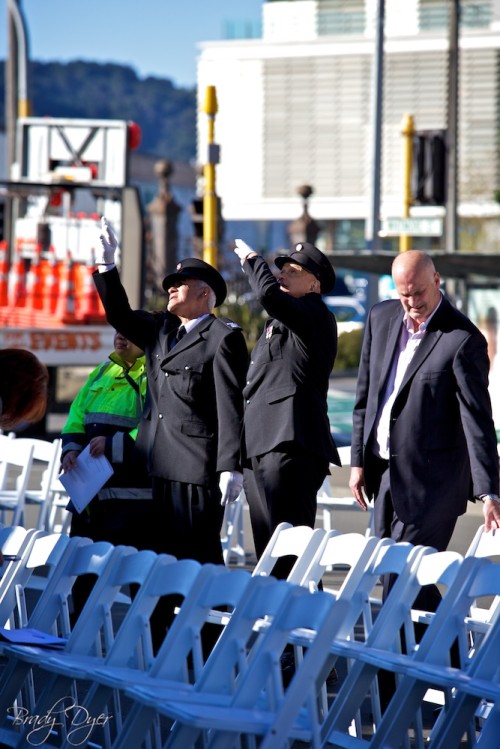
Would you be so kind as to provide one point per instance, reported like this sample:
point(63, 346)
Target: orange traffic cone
point(91, 309)
point(65, 309)
point(52, 278)
point(34, 283)
point(4, 274)
point(17, 281)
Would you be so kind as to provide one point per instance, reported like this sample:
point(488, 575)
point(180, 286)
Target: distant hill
point(166, 114)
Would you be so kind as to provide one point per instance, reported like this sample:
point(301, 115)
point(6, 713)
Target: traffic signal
point(196, 211)
point(429, 167)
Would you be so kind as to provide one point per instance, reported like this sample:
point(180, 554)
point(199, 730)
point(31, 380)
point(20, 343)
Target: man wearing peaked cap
point(193, 268)
point(309, 257)
point(191, 424)
point(287, 442)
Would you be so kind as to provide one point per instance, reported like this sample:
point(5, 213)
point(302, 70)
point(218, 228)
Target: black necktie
point(180, 333)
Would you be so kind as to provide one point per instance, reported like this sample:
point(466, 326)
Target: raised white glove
point(107, 245)
point(243, 250)
point(230, 485)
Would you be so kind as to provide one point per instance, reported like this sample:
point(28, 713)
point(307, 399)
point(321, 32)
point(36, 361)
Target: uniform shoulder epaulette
point(229, 323)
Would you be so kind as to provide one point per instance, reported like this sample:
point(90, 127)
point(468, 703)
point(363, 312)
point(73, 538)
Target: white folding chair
point(221, 717)
point(58, 518)
point(40, 551)
point(16, 461)
point(260, 598)
point(476, 680)
point(52, 612)
point(93, 635)
point(15, 544)
point(131, 647)
point(46, 461)
point(382, 647)
point(297, 541)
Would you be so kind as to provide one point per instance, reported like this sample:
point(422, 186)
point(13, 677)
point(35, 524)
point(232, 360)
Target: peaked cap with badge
point(192, 267)
point(309, 257)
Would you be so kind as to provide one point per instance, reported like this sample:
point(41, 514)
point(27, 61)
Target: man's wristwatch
point(484, 497)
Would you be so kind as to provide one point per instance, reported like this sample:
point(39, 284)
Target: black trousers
point(188, 520)
point(281, 486)
point(428, 532)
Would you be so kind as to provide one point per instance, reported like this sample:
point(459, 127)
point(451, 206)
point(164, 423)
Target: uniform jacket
point(442, 439)
point(110, 405)
point(287, 382)
point(192, 421)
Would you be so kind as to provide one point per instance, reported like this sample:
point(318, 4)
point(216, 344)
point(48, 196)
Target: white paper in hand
point(84, 480)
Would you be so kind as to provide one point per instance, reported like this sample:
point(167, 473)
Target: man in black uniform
point(191, 426)
point(287, 440)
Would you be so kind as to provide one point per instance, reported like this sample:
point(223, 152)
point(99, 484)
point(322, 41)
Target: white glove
point(107, 245)
point(230, 485)
point(243, 250)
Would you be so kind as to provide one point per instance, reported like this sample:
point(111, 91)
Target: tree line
point(165, 113)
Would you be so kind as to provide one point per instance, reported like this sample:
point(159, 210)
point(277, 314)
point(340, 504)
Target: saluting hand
point(108, 245)
point(243, 250)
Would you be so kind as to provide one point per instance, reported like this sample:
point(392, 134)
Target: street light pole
point(451, 232)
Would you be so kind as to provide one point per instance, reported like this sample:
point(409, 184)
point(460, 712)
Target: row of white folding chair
point(52, 614)
point(255, 703)
point(477, 679)
point(255, 710)
point(202, 587)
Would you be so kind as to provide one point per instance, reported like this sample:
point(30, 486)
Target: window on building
point(434, 14)
point(339, 17)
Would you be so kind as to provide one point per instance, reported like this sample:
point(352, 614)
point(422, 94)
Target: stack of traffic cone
point(4, 274)
point(66, 307)
point(17, 281)
point(90, 309)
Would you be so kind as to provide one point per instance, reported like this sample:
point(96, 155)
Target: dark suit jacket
point(287, 383)
point(442, 439)
point(192, 421)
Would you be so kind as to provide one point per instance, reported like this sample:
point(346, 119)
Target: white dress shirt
point(409, 341)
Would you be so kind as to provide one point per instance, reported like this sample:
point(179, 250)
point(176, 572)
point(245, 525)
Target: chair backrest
point(18, 461)
point(3, 468)
point(484, 544)
point(216, 587)
point(288, 540)
point(46, 464)
point(81, 557)
point(167, 577)
point(95, 630)
point(15, 543)
point(41, 551)
point(345, 553)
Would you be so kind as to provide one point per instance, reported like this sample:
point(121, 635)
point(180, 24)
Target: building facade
point(295, 107)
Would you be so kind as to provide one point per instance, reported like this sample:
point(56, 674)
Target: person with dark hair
point(288, 446)
point(191, 426)
point(23, 388)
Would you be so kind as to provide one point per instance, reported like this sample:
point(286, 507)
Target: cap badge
point(179, 266)
point(299, 247)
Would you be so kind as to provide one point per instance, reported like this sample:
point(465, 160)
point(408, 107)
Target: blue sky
point(155, 37)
